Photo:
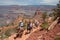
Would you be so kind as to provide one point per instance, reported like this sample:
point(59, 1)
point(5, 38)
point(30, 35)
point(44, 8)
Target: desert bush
point(44, 15)
point(44, 25)
point(57, 38)
point(56, 12)
point(7, 33)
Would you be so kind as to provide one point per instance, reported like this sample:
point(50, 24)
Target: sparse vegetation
point(57, 38)
point(56, 11)
point(7, 33)
point(44, 15)
point(44, 25)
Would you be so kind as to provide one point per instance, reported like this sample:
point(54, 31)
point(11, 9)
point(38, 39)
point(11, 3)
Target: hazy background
point(10, 9)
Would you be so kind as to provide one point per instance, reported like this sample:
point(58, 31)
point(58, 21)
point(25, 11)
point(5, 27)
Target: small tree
point(44, 15)
point(54, 15)
point(57, 11)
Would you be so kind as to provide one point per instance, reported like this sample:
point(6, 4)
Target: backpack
point(29, 25)
point(36, 23)
point(21, 24)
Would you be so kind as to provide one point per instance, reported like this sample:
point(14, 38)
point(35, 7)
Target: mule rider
point(20, 30)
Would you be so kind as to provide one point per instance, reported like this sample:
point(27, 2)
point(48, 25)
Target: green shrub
point(44, 25)
point(57, 38)
point(7, 33)
point(2, 35)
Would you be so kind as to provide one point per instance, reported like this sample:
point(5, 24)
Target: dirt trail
point(44, 35)
point(24, 37)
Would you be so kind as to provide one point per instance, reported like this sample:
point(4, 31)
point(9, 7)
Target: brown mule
point(19, 33)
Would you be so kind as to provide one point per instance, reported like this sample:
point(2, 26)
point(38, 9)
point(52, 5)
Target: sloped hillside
point(44, 35)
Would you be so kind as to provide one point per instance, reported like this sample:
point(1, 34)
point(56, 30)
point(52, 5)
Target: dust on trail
point(24, 37)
